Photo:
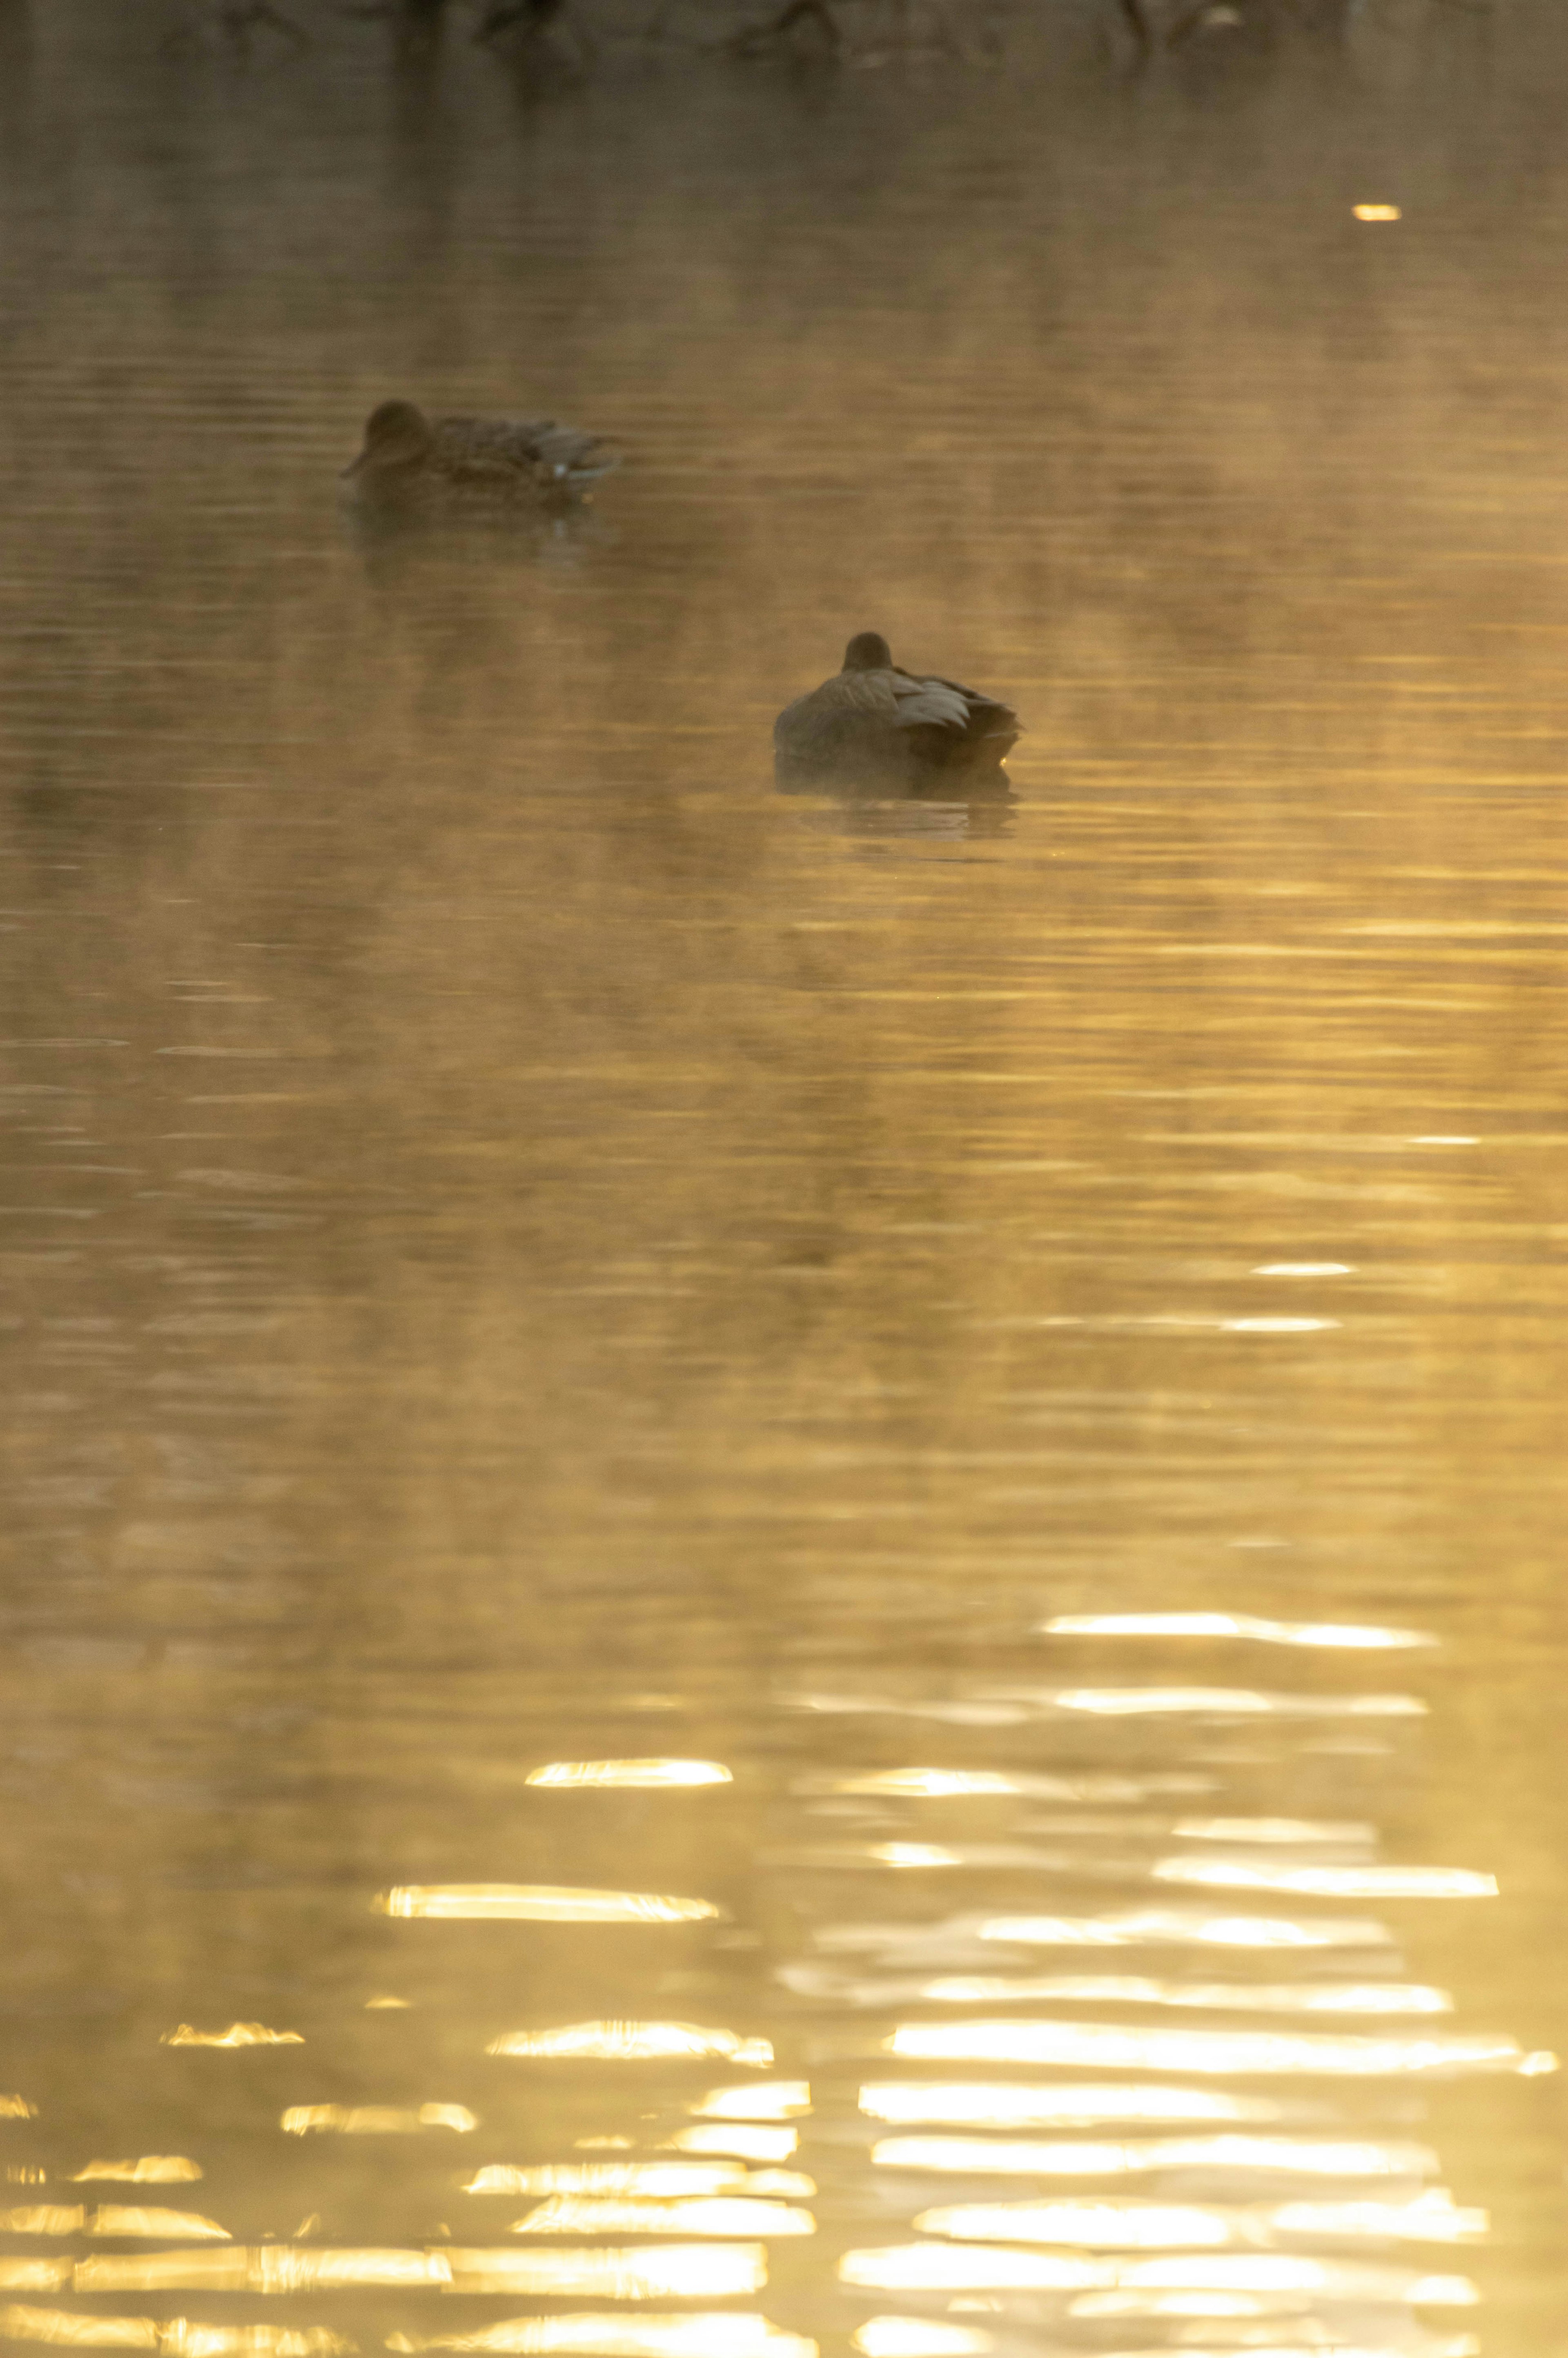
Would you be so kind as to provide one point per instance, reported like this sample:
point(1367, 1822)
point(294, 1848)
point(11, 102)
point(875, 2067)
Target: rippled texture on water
point(851, 1509)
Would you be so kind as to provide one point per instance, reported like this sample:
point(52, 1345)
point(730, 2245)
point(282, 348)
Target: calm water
point(523, 1249)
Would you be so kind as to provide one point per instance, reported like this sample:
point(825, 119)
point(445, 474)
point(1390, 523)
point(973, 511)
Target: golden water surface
point(785, 1572)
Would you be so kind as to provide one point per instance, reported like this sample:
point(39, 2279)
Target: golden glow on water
point(118, 2219)
point(636, 2042)
point(1097, 2046)
point(1290, 2157)
point(750, 2142)
point(43, 2219)
point(1004, 2105)
point(238, 2034)
point(541, 1903)
point(648, 2178)
point(725, 2333)
point(148, 2169)
point(1378, 213)
point(1158, 1927)
point(386, 2004)
point(673, 2272)
point(35, 2275)
point(574, 2214)
point(630, 1776)
point(919, 2337)
point(767, 2100)
point(1327, 1882)
point(376, 2120)
point(17, 2108)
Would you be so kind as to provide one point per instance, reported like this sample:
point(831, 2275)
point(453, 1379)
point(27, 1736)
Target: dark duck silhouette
point(411, 463)
point(873, 719)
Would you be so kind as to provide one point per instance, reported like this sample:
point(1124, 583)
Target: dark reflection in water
point(784, 1568)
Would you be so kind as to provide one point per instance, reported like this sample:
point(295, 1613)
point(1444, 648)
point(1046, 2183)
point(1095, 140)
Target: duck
point(410, 461)
point(873, 716)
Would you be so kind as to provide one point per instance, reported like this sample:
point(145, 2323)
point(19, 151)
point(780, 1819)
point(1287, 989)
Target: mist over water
point(811, 1545)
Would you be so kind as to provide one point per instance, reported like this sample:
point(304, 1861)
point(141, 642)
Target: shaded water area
point(818, 1538)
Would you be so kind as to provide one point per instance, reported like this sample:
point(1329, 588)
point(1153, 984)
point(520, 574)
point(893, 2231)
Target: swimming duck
point(874, 716)
point(411, 462)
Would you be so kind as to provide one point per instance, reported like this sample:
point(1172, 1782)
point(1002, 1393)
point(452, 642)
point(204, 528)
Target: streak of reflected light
point(541, 1903)
point(120, 2219)
point(1003, 2104)
point(148, 2169)
point(941, 2267)
point(44, 2219)
point(947, 1784)
point(631, 2042)
point(647, 2178)
point(1357, 1637)
point(898, 1853)
point(1433, 2218)
point(176, 2337)
point(1220, 1703)
point(919, 2337)
point(716, 2215)
point(1273, 2347)
point(675, 2271)
point(1399, 1999)
point(261, 2268)
point(750, 2141)
point(1258, 1831)
point(1292, 2156)
point(777, 2100)
point(1112, 2046)
point(35, 2275)
point(1106, 2226)
point(238, 2034)
point(17, 2108)
point(376, 2120)
point(1181, 1928)
point(630, 1776)
point(1327, 1882)
point(722, 2334)
point(1124, 2224)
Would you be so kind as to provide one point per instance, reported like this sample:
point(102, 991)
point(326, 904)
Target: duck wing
point(535, 447)
point(954, 722)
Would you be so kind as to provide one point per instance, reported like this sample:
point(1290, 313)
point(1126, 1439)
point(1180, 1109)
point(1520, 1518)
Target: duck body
point(414, 464)
point(873, 719)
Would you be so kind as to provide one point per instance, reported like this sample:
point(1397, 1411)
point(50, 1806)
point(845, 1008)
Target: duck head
point(868, 651)
point(396, 435)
